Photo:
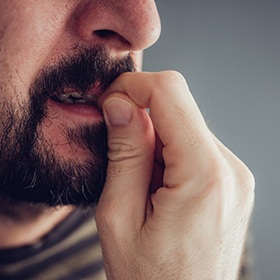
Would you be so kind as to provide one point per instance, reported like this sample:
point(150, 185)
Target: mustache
point(79, 71)
point(86, 68)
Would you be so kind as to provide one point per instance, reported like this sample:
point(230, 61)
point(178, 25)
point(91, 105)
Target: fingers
point(176, 118)
point(193, 161)
point(131, 143)
point(202, 195)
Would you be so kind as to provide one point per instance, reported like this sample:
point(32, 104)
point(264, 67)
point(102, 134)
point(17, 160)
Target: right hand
point(194, 225)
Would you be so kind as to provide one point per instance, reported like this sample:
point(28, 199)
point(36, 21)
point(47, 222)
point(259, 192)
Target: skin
point(193, 224)
point(45, 31)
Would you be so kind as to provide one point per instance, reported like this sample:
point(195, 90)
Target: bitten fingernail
point(118, 112)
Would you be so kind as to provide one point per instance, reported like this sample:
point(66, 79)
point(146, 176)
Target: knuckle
point(120, 152)
point(246, 183)
point(225, 181)
point(119, 149)
point(107, 219)
point(216, 182)
point(248, 178)
point(242, 180)
point(175, 76)
point(219, 178)
point(169, 77)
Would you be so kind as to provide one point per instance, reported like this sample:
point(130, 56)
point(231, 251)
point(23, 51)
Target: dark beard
point(30, 170)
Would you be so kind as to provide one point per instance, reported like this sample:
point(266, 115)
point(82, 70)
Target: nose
point(130, 25)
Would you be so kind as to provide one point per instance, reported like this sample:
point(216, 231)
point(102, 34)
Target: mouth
point(76, 103)
point(76, 83)
point(74, 97)
point(71, 96)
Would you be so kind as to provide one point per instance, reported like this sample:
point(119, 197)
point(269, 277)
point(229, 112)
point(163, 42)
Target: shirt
point(71, 251)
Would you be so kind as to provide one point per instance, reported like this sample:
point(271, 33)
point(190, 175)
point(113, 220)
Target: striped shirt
point(70, 252)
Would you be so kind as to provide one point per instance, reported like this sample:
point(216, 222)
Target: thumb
point(131, 143)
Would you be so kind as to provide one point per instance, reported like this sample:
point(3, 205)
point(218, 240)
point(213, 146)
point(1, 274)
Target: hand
point(176, 203)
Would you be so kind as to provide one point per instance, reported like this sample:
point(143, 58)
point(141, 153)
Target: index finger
point(176, 118)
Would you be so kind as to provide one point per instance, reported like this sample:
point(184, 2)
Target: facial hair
point(30, 169)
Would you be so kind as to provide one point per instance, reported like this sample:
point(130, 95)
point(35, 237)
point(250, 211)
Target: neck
point(26, 224)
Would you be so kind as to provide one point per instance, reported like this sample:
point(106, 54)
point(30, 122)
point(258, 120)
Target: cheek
point(23, 56)
point(29, 31)
point(11, 109)
point(13, 93)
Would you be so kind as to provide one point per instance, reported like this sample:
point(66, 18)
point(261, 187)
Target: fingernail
point(118, 112)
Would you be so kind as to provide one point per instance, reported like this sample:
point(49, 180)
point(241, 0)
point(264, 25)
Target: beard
point(31, 171)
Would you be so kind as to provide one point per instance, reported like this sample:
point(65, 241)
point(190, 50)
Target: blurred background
point(229, 52)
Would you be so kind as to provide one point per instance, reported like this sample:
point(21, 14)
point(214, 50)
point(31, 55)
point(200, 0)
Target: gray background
point(229, 53)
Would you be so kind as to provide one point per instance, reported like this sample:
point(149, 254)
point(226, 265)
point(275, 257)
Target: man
point(173, 202)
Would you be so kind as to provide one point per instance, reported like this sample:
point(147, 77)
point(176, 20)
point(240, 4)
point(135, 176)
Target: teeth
point(75, 94)
point(75, 97)
point(63, 96)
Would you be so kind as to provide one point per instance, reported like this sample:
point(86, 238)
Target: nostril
point(109, 34)
point(104, 33)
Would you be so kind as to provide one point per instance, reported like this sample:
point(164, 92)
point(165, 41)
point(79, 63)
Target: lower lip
point(74, 111)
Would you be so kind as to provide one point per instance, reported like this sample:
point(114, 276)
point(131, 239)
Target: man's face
point(56, 59)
